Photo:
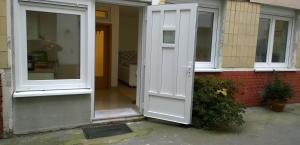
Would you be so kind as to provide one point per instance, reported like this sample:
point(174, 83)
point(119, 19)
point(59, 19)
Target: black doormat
point(105, 131)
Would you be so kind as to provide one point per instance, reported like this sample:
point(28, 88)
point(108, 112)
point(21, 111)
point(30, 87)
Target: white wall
point(284, 3)
point(129, 24)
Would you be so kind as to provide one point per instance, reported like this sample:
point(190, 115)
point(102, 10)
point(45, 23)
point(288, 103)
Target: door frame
point(141, 54)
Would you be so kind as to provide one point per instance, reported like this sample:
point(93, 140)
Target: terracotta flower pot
point(277, 106)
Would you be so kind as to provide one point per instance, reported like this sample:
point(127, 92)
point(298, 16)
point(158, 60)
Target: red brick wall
point(252, 84)
point(1, 117)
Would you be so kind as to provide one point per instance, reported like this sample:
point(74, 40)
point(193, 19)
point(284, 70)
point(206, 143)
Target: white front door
point(169, 65)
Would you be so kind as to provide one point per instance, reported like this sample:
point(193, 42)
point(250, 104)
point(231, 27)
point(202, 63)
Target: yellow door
point(103, 54)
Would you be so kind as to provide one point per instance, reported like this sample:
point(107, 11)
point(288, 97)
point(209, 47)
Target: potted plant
point(276, 93)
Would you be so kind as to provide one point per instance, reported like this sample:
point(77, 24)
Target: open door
point(169, 65)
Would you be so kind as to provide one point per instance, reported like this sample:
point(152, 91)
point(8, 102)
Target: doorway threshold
point(116, 113)
point(119, 119)
point(120, 114)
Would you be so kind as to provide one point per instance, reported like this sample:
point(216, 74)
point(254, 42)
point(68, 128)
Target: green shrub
point(277, 89)
point(214, 104)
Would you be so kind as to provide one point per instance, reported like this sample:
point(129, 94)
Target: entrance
point(151, 62)
point(103, 40)
point(116, 61)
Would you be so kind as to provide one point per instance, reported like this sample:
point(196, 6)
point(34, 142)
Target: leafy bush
point(277, 89)
point(214, 104)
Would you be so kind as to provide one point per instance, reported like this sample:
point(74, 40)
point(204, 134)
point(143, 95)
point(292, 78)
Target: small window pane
point(169, 37)
point(262, 40)
point(53, 46)
point(101, 14)
point(280, 41)
point(204, 36)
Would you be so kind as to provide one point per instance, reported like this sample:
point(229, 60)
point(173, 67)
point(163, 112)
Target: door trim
point(141, 59)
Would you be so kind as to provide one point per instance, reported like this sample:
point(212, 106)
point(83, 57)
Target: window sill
point(208, 70)
point(275, 70)
point(51, 93)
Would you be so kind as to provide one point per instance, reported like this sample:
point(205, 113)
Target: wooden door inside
point(103, 56)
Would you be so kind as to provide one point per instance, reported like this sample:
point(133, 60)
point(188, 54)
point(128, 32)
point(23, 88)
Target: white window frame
point(20, 31)
point(269, 63)
point(199, 65)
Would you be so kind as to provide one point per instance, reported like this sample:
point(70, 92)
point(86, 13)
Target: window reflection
point(263, 40)
point(204, 36)
point(280, 41)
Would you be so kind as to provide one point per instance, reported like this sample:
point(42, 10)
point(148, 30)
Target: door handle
point(189, 71)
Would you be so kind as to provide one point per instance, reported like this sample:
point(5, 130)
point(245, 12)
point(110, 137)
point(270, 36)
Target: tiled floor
point(115, 102)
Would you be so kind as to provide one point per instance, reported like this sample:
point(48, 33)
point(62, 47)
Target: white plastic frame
point(269, 63)
point(21, 72)
point(214, 44)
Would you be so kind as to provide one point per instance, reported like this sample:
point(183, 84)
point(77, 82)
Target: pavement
point(262, 127)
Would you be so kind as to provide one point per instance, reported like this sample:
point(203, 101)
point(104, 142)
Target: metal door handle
point(189, 71)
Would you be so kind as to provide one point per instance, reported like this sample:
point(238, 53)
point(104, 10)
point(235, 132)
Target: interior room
point(50, 54)
point(116, 61)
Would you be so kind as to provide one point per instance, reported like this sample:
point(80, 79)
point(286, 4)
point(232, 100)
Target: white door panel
point(170, 47)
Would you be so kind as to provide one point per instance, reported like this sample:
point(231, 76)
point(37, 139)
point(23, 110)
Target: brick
point(231, 28)
point(232, 15)
point(2, 7)
point(238, 6)
point(226, 62)
point(252, 84)
point(233, 51)
point(236, 28)
point(3, 59)
point(241, 19)
point(230, 39)
point(3, 43)
point(227, 50)
point(3, 26)
point(258, 8)
point(226, 29)
point(233, 5)
point(162, 1)
point(228, 5)
point(226, 39)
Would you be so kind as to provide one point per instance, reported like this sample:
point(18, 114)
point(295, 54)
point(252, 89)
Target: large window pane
point(204, 36)
point(53, 46)
point(262, 40)
point(280, 41)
